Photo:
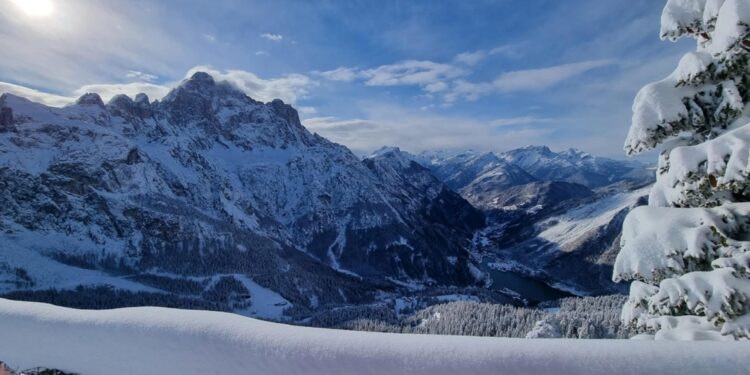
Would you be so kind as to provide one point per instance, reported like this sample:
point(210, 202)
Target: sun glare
point(36, 8)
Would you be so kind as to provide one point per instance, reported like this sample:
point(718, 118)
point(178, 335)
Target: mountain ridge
point(209, 181)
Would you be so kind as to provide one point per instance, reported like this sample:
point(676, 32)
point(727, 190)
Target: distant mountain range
point(483, 178)
point(551, 215)
point(208, 198)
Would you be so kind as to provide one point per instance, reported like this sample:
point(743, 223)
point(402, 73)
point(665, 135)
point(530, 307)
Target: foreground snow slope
point(148, 340)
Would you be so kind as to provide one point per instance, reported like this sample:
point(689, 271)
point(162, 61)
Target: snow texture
point(150, 340)
point(660, 242)
point(690, 171)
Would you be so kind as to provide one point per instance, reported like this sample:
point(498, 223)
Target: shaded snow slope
point(573, 247)
point(165, 341)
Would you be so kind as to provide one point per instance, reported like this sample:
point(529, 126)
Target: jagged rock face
point(211, 181)
point(6, 119)
point(443, 214)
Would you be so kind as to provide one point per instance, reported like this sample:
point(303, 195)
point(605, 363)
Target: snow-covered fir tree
point(687, 251)
point(544, 329)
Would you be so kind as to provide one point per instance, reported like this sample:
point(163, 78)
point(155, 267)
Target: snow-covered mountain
point(485, 179)
point(165, 195)
point(572, 247)
point(476, 176)
point(575, 166)
point(556, 216)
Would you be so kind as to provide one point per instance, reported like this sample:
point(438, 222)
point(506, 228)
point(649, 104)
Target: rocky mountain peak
point(385, 150)
point(90, 98)
point(575, 153)
point(124, 106)
point(394, 156)
point(141, 99)
point(286, 111)
point(201, 78)
point(202, 86)
point(120, 100)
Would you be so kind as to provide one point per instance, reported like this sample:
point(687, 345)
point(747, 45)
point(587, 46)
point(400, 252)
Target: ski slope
point(148, 340)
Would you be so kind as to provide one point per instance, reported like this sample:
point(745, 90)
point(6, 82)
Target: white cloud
point(433, 78)
point(467, 90)
point(141, 76)
point(447, 79)
point(522, 120)
point(108, 91)
point(520, 80)
point(339, 74)
point(416, 131)
point(508, 50)
point(436, 87)
point(272, 37)
point(471, 58)
point(289, 88)
point(411, 72)
point(35, 95)
point(540, 79)
point(261, 53)
point(208, 37)
point(303, 110)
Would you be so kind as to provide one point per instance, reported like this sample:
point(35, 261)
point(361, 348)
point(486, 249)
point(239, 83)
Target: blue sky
point(483, 75)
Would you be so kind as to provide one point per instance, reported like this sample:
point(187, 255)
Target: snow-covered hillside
point(147, 340)
point(571, 245)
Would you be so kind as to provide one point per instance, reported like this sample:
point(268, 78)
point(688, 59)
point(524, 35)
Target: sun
point(36, 8)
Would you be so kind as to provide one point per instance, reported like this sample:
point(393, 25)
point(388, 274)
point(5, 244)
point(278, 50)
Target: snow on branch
point(711, 173)
point(692, 305)
point(740, 262)
point(718, 295)
point(718, 24)
point(688, 18)
point(661, 242)
point(708, 89)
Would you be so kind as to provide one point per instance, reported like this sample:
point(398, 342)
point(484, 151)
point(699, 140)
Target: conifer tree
point(687, 251)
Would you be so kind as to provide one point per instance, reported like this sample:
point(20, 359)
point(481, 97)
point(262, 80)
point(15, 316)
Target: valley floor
point(149, 340)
